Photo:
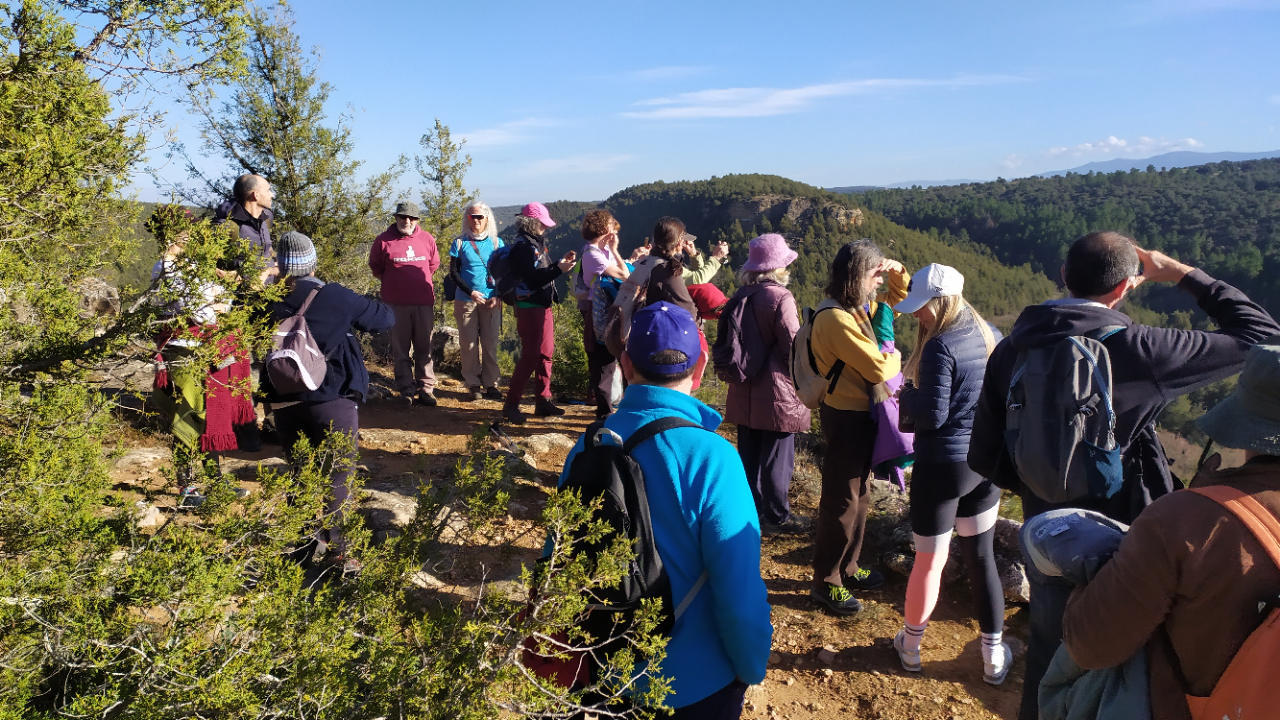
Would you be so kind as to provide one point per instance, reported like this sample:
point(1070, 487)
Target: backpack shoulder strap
point(1103, 332)
point(1260, 521)
point(693, 592)
point(837, 367)
point(307, 303)
point(652, 429)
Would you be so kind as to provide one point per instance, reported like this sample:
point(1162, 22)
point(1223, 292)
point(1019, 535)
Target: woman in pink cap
point(765, 406)
point(534, 295)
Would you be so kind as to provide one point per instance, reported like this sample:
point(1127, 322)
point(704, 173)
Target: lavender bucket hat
point(769, 252)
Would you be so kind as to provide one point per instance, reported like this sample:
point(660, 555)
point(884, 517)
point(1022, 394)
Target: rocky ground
point(822, 666)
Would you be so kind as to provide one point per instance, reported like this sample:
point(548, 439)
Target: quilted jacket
point(945, 398)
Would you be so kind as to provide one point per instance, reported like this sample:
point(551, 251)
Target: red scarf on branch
point(227, 399)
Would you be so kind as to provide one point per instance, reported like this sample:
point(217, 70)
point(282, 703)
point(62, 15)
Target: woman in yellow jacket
point(847, 427)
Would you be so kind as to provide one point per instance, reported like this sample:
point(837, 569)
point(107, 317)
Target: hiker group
point(1145, 601)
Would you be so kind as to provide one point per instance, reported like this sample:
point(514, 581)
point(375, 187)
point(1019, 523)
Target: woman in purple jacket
point(765, 406)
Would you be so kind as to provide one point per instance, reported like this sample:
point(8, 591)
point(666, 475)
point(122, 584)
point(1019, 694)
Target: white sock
point(912, 635)
point(990, 643)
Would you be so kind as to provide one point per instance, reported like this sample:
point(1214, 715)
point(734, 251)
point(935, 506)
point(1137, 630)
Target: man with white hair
point(476, 309)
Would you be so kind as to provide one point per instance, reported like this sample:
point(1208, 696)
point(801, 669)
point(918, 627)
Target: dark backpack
point(607, 470)
point(729, 355)
point(1059, 419)
point(505, 277)
point(296, 365)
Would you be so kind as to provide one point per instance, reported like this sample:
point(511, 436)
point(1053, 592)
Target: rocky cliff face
point(800, 211)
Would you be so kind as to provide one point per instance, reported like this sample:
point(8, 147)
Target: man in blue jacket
point(1151, 367)
point(703, 519)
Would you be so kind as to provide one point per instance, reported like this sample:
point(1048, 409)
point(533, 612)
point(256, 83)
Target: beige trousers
point(478, 329)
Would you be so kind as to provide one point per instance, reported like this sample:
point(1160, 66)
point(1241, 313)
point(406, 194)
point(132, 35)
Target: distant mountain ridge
point(1179, 159)
point(854, 189)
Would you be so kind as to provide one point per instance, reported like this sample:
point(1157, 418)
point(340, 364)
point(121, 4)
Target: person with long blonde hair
point(947, 366)
point(477, 310)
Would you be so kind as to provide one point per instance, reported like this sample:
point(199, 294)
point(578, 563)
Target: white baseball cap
point(929, 282)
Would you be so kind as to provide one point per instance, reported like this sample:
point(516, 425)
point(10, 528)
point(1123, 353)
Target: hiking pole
point(505, 440)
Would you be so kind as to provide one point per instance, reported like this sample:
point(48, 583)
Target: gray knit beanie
point(295, 255)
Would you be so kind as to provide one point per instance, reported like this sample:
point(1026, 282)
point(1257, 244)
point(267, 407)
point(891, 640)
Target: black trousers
point(313, 421)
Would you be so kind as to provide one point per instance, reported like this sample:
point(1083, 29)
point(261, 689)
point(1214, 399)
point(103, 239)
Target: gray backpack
point(1060, 423)
point(296, 365)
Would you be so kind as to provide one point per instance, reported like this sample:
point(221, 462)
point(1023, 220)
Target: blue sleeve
point(730, 542)
point(930, 403)
point(455, 247)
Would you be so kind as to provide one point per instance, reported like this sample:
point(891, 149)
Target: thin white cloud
point(1275, 99)
point(509, 133)
point(577, 164)
point(763, 102)
point(1012, 161)
point(667, 72)
point(1115, 146)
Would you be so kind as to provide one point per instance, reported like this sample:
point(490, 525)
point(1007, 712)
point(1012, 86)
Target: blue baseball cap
point(663, 326)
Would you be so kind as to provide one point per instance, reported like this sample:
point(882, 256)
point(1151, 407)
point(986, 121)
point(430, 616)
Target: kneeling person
point(703, 517)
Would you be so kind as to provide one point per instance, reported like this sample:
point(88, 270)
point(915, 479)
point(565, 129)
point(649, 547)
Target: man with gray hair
point(1150, 367)
point(404, 257)
point(249, 208)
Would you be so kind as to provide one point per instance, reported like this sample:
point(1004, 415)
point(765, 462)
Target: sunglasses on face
point(477, 217)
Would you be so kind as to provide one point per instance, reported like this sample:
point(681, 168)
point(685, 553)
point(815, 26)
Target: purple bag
point(296, 365)
point(734, 360)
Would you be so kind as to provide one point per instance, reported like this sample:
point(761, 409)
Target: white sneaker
point(995, 671)
point(910, 660)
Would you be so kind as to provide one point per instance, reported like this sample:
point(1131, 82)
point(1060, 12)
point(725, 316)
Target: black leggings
point(978, 555)
point(942, 492)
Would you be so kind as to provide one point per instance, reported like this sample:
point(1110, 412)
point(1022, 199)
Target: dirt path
point(822, 666)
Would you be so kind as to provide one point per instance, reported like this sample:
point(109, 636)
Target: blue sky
point(577, 100)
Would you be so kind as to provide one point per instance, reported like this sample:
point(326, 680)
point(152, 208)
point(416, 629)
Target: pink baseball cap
point(539, 212)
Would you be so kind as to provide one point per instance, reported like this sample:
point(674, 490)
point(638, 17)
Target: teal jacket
point(703, 519)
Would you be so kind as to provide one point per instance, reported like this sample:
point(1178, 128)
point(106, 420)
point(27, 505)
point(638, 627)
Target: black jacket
point(1150, 367)
point(334, 313)
point(946, 396)
point(257, 230)
point(537, 272)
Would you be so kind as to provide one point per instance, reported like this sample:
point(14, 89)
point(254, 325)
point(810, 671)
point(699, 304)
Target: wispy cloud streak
point(578, 164)
point(510, 133)
point(763, 102)
point(1114, 145)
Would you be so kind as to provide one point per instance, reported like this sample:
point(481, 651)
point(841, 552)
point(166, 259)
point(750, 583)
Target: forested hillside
point(1223, 217)
point(736, 208)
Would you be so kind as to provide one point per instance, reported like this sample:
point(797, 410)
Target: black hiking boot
point(837, 600)
point(545, 408)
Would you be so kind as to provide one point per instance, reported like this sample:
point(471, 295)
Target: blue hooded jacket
point(703, 519)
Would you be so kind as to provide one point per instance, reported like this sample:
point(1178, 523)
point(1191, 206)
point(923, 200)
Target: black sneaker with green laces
point(837, 600)
point(864, 579)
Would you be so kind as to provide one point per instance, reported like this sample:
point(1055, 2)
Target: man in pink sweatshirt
point(404, 258)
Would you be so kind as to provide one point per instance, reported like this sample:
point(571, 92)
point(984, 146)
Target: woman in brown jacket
point(765, 406)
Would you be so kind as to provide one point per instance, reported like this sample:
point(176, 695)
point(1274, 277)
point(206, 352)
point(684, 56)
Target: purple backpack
point(296, 365)
point(730, 356)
